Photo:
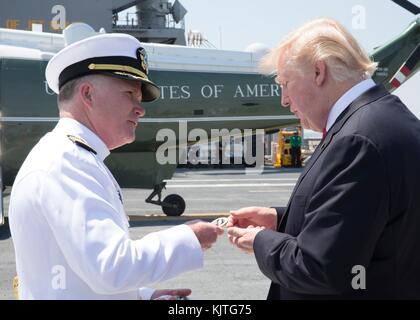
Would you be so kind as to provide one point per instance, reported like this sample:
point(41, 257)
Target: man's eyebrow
point(134, 87)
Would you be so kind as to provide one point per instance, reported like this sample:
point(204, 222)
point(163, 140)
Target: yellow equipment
point(278, 151)
point(284, 154)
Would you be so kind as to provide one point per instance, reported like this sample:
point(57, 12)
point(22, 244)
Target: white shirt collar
point(73, 127)
point(347, 98)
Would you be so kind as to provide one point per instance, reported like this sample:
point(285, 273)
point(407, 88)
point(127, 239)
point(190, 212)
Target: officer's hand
point(205, 232)
point(253, 216)
point(170, 294)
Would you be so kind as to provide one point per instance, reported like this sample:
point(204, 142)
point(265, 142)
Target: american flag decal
point(406, 68)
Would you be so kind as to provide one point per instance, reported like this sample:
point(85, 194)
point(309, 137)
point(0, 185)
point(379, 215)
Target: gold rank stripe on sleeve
point(81, 143)
point(116, 67)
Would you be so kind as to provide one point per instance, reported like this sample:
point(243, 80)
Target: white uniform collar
point(347, 98)
point(73, 127)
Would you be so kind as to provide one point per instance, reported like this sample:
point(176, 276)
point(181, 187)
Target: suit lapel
point(367, 97)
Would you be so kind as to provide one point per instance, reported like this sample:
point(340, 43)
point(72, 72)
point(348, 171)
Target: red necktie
point(324, 133)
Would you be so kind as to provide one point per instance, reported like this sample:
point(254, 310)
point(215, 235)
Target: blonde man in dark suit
point(350, 229)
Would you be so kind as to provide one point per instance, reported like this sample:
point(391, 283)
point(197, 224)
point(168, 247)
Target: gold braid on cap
point(116, 67)
point(99, 65)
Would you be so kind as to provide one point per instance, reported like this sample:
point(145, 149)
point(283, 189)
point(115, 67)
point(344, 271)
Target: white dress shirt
point(70, 231)
point(347, 98)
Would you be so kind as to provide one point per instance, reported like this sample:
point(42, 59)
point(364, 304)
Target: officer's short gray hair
point(68, 90)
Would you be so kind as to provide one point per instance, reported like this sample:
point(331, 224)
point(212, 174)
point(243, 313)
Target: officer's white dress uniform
point(70, 230)
point(67, 220)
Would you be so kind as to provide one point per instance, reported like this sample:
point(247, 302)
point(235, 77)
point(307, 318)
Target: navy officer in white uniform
point(67, 220)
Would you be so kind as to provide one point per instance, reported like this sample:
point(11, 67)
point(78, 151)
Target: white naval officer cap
point(114, 54)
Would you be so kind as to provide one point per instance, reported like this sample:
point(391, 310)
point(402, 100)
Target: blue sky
point(243, 22)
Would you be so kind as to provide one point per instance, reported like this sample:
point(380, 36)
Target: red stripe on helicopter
point(395, 83)
point(405, 70)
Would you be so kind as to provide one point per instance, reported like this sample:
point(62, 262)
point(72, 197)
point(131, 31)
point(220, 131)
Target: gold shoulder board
point(81, 143)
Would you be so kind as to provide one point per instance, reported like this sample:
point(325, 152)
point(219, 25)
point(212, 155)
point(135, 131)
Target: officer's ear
point(85, 93)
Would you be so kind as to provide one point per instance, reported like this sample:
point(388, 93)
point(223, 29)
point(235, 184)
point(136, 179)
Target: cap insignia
point(142, 57)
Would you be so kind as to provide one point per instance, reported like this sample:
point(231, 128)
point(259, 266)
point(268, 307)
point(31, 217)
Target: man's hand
point(253, 216)
point(205, 232)
point(170, 294)
point(244, 238)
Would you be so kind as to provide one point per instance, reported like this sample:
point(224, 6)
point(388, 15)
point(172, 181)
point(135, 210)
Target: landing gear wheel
point(173, 205)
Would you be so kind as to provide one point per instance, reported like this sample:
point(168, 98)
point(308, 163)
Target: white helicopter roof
point(20, 44)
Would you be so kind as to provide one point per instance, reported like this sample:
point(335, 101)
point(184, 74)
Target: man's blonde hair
point(322, 39)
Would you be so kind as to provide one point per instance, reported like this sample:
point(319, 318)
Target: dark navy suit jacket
point(356, 203)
